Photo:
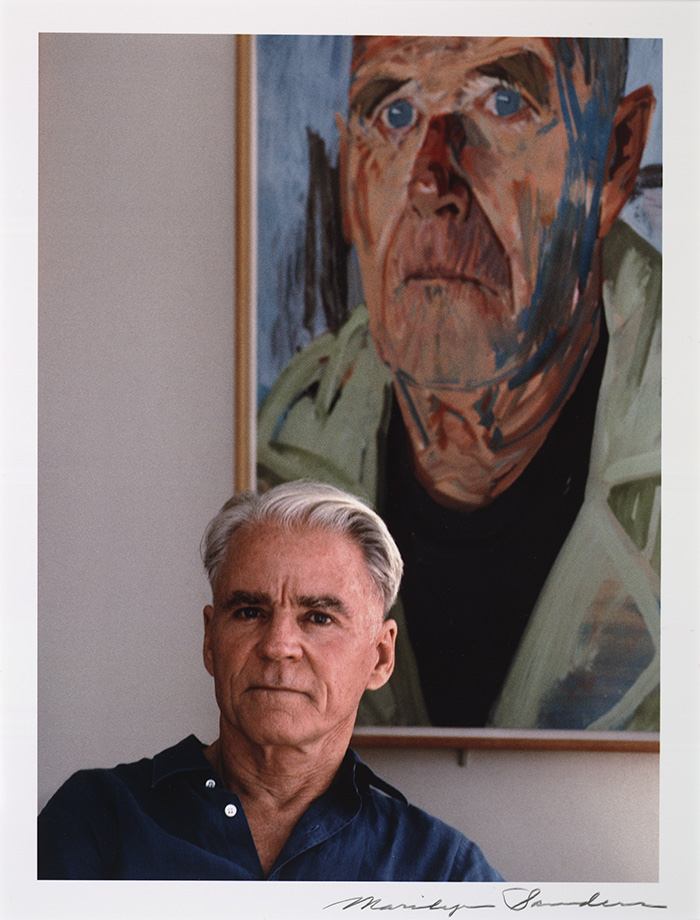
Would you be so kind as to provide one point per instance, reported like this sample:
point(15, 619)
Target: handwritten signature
point(513, 899)
point(370, 903)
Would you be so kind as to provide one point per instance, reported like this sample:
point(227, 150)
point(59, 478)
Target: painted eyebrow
point(369, 97)
point(525, 69)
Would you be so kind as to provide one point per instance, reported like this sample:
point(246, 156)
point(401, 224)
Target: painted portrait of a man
point(496, 391)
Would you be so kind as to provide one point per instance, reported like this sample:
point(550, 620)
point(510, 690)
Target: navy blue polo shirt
point(170, 817)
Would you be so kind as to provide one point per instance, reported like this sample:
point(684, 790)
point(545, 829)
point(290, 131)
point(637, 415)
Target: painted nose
point(280, 639)
point(437, 186)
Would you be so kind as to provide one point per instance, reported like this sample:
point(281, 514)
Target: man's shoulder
point(393, 804)
point(98, 813)
point(87, 784)
point(441, 844)
point(620, 242)
point(444, 848)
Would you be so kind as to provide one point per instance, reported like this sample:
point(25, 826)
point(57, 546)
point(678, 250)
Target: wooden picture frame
point(245, 453)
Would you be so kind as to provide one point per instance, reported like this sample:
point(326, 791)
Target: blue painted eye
point(399, 114)
point(507, 101)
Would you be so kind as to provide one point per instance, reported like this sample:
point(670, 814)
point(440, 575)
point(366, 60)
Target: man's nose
point(437, 186)
point(281, 638)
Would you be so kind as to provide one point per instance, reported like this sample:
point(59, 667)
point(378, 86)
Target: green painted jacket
point(589, 657)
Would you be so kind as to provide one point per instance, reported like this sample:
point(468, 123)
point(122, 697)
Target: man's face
point(295, 635)
point(471, 168)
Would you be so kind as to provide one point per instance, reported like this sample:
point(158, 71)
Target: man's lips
point(452, 274)
point(445, 275)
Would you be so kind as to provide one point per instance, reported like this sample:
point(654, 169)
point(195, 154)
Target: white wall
point(135, 427)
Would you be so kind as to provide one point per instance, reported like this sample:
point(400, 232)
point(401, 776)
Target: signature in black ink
point(370, 903)
point(514, 900)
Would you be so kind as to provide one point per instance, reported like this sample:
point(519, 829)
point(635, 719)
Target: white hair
point(314, 504)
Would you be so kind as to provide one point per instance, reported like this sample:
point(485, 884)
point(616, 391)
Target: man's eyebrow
point(524, 69)
point(263, 599)
point(322, 602)
point(246, 598)
point(369, 97)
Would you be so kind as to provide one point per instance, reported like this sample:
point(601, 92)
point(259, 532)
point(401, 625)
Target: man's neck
point(275, 783)
point(277, 772)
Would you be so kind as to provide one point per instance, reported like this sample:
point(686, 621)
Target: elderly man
point(302, 578)
point(505, 368)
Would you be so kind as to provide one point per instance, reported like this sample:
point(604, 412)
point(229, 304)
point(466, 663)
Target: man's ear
point(341, 124)
point(627, 142)
point(206, 651)
point(386, 653)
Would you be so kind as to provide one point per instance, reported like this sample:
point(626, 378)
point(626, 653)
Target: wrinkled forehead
point(375, 56)
point(376, 49)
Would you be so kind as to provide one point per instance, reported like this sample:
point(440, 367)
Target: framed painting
point(448, 304)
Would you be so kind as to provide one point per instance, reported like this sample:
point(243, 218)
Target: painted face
point(295, 635)
point(472, 168)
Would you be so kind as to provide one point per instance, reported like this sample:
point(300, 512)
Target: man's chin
point(275, 727)
point(447, 333)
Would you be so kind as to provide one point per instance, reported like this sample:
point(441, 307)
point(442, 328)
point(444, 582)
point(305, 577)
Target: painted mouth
point(438, 251)
point(444, 275)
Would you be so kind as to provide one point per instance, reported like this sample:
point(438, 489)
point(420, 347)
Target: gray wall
point(135, 451)
point(135, 380)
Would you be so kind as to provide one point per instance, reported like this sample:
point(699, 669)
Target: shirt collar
point(364, 776)
point(187, 756)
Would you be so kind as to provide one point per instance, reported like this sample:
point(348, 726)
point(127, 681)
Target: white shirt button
point(210, 783)
point(230, 810)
